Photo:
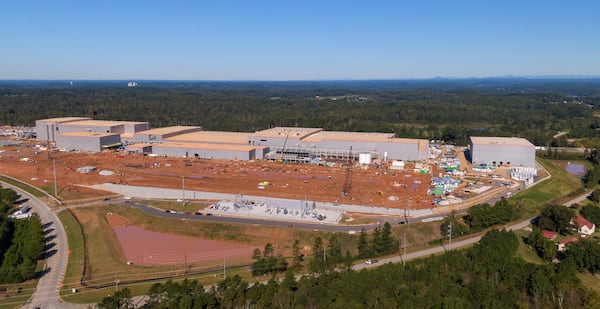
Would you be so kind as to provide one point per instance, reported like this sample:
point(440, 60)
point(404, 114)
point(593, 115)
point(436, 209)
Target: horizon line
point(449, 78)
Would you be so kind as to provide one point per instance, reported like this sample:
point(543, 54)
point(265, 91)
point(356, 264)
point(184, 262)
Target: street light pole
point(54, 168)
point(182, 190)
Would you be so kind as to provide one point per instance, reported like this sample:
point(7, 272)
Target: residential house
point(563, 243)
point(584, 227)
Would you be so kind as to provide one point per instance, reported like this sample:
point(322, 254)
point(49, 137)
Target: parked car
point(197, 213)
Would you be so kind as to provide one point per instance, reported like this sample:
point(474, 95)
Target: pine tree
point(364, 250)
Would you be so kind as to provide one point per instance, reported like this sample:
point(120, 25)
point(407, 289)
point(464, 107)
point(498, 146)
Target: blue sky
point(297, 40)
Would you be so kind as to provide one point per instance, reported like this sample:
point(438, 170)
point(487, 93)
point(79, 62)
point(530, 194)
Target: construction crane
point(283, 148)
point(348, 178)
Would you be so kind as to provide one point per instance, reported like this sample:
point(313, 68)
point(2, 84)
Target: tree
point(556, 218)
point(334, 251)
point(546, 249)
point(8, 196)
point(297, 255)
point(19, 260)
point(267, 263)
point(268, 250)
point(592, 213)
point(595, 196)
point(317, 264)
point(119, 300)
point(389, 242)
point(364, 250)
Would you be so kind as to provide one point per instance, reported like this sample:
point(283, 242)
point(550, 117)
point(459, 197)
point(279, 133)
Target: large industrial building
point(86, 134)
point(209, 151)
point(87, 141)
point(502, 151)
point(47, 129)
point(291, 144)
point(300, 144)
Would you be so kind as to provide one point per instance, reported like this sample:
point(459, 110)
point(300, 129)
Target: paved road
point(439, 249)
point(461, 243)
point(46, 293)
point(244, 220)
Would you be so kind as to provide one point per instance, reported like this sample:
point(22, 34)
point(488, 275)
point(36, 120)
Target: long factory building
point(280, 143)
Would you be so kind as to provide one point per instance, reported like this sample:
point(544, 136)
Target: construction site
point(370, 170)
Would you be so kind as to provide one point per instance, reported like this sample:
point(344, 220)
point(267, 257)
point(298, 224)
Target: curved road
point(46, 294)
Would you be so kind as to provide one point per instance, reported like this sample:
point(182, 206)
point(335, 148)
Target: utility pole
point(450, 233)
point(116, 282)
point(407, 209)
point(185, 263)
point(224, 273)
point(182, 191)
point(403, 249)
point(54, 168)
point(48, 140)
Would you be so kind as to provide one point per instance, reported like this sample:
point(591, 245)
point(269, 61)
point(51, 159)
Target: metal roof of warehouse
point(349, 136)
point(504, 141)
point(293, 132)
point(167, 130)
point(64, 119)
point(100, 123)
point(212, 137)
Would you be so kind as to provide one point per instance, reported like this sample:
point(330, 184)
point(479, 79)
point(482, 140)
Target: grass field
point(189, 206)
point(76, 251)
point(560, 184)
point(524, 251)
point(23, 186)
point(105, 262)
point(14, 295)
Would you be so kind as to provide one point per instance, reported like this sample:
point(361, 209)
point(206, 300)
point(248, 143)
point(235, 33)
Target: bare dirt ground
point(370, 186)
point(168, 249)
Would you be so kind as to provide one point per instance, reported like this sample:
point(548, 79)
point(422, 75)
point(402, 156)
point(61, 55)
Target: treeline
point(480, 217)
point(488, 275)
point(21, 242)
point(327, 255)
point(447, 114)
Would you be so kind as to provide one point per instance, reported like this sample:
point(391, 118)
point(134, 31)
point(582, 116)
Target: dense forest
point(21, 242)
point(446, 110)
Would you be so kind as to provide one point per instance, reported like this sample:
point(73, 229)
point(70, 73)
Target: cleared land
point(370, 186)
point(148, 248)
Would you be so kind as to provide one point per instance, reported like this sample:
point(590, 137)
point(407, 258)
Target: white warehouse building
point(502, 151)
point(87, 141)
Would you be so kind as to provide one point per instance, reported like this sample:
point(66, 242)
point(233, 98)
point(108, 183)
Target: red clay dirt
point(370, 186)
point(147, 248)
